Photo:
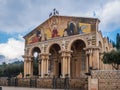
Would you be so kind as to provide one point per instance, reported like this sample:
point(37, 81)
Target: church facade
point(65, 46)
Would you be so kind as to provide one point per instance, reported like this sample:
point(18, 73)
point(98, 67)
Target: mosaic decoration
point(58, 27)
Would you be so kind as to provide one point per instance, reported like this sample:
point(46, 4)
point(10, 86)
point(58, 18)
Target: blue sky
point(18, 17)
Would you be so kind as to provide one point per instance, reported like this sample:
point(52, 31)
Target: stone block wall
point(24, 82)
point(107, 80)
point(78, 83)
point(3, 81)
point(44, 83)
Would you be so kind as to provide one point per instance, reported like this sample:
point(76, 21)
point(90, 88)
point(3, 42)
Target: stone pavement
point(25, 88)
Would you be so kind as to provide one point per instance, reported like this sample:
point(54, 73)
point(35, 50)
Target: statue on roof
point(54, 12)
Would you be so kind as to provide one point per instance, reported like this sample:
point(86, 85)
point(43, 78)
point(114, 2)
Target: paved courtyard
point(23, 88)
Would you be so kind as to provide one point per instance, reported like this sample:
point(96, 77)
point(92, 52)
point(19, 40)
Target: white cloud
point(109, 16)
point(12, 49)
point(24, 15)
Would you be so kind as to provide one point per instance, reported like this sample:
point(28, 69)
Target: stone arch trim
point(31, 49)
point(71, 42)
point(49, 46)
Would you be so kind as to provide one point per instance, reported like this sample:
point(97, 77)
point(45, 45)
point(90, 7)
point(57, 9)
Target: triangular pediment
point(61, 26)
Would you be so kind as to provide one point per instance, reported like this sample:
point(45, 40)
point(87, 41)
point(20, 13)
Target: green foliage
point(112, 58)
point(11, 69)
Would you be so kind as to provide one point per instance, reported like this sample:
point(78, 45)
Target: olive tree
point(112, 58)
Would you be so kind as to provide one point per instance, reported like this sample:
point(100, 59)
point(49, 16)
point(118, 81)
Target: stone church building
point(65, 46)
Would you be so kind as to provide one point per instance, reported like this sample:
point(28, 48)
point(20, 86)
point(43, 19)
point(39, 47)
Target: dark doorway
point(59, 70)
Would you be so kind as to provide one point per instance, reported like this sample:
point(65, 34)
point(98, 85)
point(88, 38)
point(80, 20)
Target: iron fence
point(55, 83)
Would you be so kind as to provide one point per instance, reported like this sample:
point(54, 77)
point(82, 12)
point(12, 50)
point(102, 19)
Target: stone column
point(44, 63)
point(89, 58)
point(96, 58)
point(25, 66)
point(39, 66)
point(42, 68)
point(68, 62)
point(47, 65)
point(30, 72)
point(28, 66)
point(63, 56)
point(93, 57)
point(63, 67)
point(65, 59)
point(69, 66)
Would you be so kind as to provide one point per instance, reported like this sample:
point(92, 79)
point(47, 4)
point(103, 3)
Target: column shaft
point(41, 68)
point(47, 66)
point(63, 67)
point(30, 68)
point(69, 67)
point(87, 63)
point(25, 67)
point(90, 60)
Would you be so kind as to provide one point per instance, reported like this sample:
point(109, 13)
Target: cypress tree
point(118, 41)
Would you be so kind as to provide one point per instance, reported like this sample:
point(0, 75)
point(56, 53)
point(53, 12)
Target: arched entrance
point(78, 60)
point(54, 61)
point(35, 53)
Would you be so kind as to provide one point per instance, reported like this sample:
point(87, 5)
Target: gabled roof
point(90, 18)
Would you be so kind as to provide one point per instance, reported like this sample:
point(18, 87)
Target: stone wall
point(107, 80)
point(44, 83)
point(24, 82)
point(78, 83)
point(3, 81)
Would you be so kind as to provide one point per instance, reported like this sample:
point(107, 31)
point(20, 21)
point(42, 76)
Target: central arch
point(54, 61)
point(78, 60)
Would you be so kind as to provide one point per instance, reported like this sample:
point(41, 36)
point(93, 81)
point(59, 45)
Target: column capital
point(27, 57)
point(65, 53)
point(44, 56)
point(89, 50)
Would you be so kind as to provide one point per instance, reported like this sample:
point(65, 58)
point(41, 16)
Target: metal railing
point(55, 83)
